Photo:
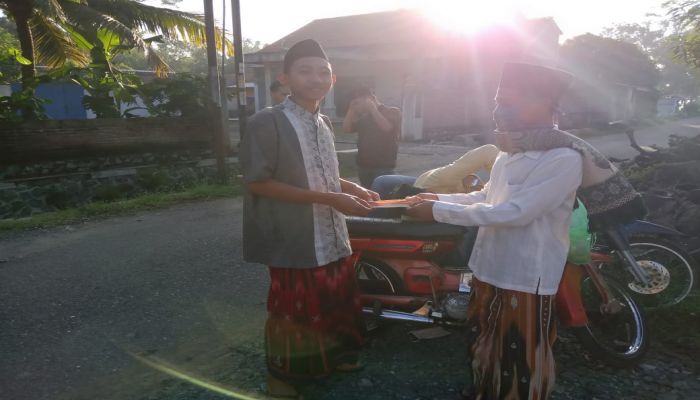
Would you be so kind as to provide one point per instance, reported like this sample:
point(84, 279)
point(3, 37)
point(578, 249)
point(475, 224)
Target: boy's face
point(309, 78)
point(515, 112)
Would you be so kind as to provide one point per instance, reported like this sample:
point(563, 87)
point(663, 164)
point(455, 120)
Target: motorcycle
point(651, 259)
point(663, 270)
point(659, 253)
point(417, 272)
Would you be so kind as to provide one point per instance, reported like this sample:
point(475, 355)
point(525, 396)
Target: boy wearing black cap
point(294, 222)
point(521, 248)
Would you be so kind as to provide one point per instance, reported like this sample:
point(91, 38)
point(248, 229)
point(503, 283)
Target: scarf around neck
point(608, 196)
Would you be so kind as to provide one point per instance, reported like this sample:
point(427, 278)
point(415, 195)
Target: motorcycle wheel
point(672, 269)
point(375, 277)
point(618, 337)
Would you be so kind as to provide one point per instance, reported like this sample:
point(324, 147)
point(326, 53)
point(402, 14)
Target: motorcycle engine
point(455, 305)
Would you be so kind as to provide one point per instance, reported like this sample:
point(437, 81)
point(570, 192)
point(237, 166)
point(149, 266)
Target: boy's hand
point(422, 211)
point(364, 194)
point(349, 204)
point(421, 197)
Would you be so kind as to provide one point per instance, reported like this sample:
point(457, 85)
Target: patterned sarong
point(511, 337)
point(314, 321)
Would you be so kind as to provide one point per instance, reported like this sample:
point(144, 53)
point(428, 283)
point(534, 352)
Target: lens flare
point(163, 367)
point(470, 16)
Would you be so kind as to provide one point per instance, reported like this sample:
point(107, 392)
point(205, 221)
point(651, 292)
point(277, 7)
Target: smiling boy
point(294, 223)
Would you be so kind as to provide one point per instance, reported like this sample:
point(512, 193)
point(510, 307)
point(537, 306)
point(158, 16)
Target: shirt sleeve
point(259, 147)
point(466, 198)
point(545, 189)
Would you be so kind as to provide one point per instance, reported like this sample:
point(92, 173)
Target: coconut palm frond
point(112, 35)
point(50, 9)
point(172, 24)
point(54, 45)
point(160, 67)
point(90, 22)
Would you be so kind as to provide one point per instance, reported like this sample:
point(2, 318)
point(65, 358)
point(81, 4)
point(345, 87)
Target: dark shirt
point(376, 148)
point(291, 145)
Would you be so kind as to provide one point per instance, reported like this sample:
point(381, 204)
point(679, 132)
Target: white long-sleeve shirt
point(524, 214)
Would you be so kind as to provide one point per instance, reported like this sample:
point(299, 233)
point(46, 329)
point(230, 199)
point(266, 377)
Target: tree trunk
point(21, 11)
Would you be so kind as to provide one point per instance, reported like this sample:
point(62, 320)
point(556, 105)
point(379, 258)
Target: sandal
point(468, 393)
point(280, 389)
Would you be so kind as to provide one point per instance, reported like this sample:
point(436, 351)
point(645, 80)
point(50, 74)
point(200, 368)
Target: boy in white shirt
point(520, 252)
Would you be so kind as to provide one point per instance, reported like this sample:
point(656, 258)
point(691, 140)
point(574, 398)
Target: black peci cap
point(305, 48)
point(535, 81)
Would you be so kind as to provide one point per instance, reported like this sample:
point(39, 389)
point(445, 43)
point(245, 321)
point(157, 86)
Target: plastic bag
point(580, 240)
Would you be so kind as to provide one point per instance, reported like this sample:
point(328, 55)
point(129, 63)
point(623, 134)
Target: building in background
point(444, 82)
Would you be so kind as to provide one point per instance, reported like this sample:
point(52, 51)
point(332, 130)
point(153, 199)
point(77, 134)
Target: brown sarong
point(314, 321)
point(511, 337)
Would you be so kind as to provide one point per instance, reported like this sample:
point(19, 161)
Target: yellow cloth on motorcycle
point(580, 240)
point(449, 178)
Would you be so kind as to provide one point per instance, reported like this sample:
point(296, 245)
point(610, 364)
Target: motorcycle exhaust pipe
point(390, 300)
point(397, 315)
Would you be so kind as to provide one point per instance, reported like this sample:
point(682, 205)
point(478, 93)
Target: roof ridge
point(396, 11)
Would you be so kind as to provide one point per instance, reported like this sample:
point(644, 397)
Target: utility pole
point(239, 67)
point(215, 104)
point(223, 89)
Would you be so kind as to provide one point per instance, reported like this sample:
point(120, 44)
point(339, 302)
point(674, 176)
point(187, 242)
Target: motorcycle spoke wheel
point(616, 335)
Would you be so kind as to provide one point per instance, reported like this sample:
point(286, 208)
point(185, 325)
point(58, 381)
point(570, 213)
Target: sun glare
point(469, 16)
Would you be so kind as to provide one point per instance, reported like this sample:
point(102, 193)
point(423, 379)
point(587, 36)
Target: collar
point(533, 155)
point(298, 110)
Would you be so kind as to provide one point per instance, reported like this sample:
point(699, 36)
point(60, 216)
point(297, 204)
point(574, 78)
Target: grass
point(149, 201)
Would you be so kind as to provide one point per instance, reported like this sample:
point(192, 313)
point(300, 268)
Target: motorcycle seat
point(396, 228)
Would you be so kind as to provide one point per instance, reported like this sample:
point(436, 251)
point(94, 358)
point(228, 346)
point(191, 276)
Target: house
point(596, 103)
point(444, 82)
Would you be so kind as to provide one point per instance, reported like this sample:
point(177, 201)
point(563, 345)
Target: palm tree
point(52, 32)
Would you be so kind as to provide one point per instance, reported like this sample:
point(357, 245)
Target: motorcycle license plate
point(465, 282)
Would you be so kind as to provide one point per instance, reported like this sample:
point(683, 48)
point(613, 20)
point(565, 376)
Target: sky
point(270, 20)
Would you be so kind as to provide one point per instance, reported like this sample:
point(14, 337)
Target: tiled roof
point(389, 27)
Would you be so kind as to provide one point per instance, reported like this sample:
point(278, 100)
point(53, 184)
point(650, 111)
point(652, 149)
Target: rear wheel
point(375, 277)
point(616, 332)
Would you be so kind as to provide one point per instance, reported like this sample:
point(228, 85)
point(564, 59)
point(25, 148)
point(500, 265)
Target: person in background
point(378, 128)
point(278, 92)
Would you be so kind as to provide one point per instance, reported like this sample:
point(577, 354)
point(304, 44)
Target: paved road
point(76, 301)
point(617, 145)
point(415, 158)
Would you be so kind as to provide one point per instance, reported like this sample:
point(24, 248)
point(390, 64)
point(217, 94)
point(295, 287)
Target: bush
point(182, 95)
point(155, 180)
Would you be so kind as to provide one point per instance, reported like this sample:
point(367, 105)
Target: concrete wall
point(35, 187)
point(50, 139)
